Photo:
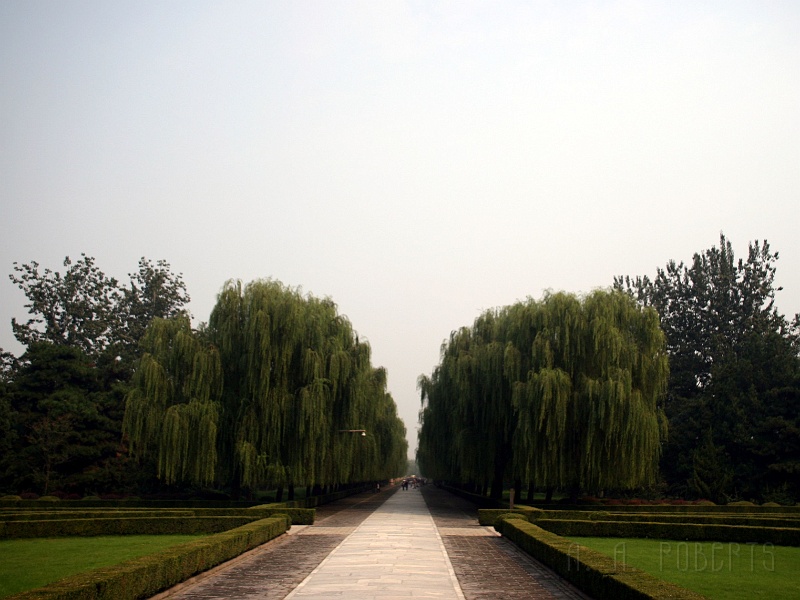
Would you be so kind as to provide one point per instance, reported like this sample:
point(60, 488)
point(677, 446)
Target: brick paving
point(273, 570)
point(360, 547)
point(487, 565)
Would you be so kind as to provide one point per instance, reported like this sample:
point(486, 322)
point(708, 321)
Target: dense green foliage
point(65, 426)
point(733, 401)
point(562, 392)
point(62, 401)
point(84, 308)
point(264, 396)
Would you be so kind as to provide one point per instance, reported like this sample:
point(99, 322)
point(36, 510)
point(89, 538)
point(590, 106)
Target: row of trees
point(575, 393)
point(117, 393)
point(558, 393)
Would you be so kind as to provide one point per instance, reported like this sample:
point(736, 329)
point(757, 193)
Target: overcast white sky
point(417, 162)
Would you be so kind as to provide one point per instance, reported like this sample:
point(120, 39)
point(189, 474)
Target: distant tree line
point(575, 394)
point(117, 393)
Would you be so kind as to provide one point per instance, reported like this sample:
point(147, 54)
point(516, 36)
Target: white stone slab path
point(396, 552)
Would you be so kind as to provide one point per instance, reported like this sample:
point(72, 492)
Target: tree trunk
point(548, 494)
point(291, 492)
point(531, 491)
point(279, 494)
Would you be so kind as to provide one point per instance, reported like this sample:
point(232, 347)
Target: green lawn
point(30, 563)
point(724, 570)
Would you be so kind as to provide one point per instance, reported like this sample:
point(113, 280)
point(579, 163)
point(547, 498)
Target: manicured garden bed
point(31, 563)
point(725, 571)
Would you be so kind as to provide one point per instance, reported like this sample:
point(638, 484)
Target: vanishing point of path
point(419, 543)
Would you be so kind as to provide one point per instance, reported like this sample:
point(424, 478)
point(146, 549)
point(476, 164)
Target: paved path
point(397, 544)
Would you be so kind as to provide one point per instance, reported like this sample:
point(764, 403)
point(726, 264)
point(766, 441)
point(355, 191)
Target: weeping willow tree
point(562, 392)
point(172, 412)
point(289, 374)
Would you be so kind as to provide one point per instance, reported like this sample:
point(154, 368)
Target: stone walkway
point(422, 543)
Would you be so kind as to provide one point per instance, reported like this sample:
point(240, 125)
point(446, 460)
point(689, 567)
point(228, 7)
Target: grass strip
point(725, 571)
point(27, 564)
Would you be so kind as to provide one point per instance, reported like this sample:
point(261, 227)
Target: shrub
point(11, 497)
point(29, 496)
point(506, 516)
point(49, 499)
point(780, 536)
point(741, 503)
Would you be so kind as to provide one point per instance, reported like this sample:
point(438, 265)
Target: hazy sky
point(417, 162)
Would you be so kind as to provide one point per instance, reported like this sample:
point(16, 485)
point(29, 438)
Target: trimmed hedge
point(781, 536)
point(131, 503)
point(489, 516)
point(116, 526)
point(594, 573)
point(671, 508)
point(751, 519)
point(93, 514)
point(21, 523)
point(146, 576)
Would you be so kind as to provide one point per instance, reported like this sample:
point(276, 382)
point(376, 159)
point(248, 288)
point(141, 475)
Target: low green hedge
point(24, 515)
point(672, 508)
point(143, 577)
point(752, 519)
point(594, 573)
point(122, 526)
point(138, 521)
point(125, 503)
point(781, 536)
point(489, 516)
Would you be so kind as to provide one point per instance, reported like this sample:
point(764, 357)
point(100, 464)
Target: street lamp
point(363, 432)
